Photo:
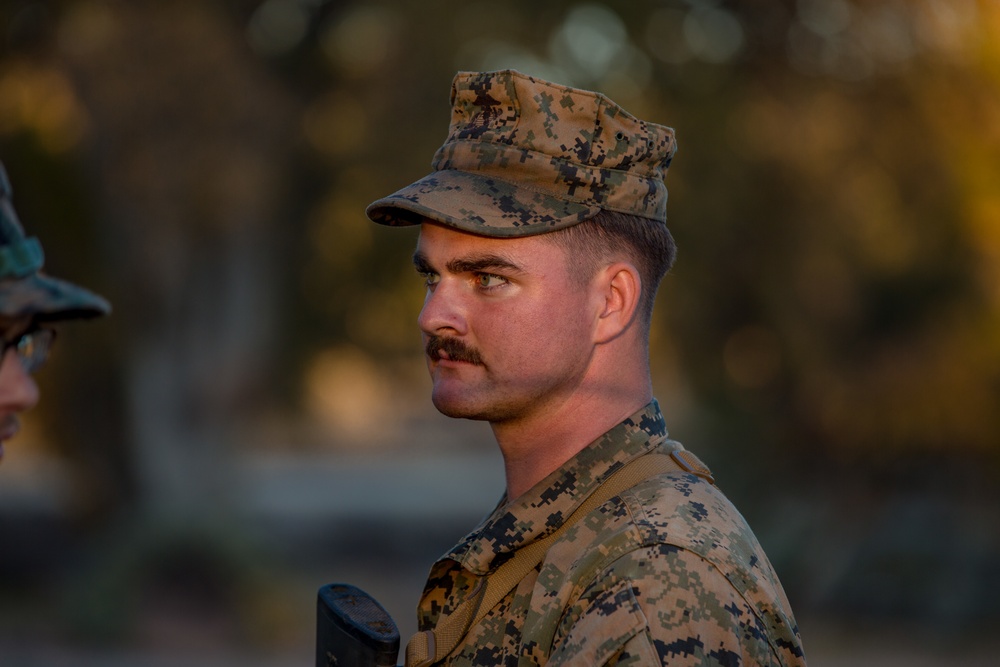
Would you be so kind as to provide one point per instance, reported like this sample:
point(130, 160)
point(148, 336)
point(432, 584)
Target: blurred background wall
point(253, 420)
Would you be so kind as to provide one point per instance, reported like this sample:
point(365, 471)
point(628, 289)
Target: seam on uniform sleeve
point(640, 649)
point(649, 536)
point(769, 639)
point(610, 621)
point(640, 520)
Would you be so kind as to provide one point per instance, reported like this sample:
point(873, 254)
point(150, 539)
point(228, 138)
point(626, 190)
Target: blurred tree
point(186, 166)
point(182, 138)
point(840, 303)
point(834, 198)
point(182, 141)
point(836, 249)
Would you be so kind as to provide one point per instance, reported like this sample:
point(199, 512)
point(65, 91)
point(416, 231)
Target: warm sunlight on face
point(507, 326)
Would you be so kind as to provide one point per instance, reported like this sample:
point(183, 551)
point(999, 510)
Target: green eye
point(489, 280)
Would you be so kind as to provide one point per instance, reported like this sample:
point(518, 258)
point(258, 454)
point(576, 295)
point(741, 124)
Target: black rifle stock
point(353, 630)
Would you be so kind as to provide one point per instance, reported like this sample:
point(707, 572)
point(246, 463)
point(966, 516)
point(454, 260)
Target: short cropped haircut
point(610, 236)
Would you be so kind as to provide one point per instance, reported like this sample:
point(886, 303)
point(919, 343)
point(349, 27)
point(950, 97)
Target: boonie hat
point(525, 156)
point(24, 290)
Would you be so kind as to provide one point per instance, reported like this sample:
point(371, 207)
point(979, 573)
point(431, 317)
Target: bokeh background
point(253, 422)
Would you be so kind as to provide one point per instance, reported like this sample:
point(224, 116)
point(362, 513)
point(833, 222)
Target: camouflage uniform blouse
point(666, 573)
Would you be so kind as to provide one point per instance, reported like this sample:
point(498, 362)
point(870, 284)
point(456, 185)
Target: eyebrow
point(421, 264)
point(473, 264)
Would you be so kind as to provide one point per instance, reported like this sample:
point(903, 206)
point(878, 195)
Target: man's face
point(507, 329)
point(18, 391)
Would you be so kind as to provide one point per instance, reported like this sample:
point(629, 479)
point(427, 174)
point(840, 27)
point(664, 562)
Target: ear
point(620, 288)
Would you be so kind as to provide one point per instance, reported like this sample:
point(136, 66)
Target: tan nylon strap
point(430, 646)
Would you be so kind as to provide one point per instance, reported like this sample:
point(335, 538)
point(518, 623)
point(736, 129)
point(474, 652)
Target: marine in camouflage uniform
point(29, 300)
point(664, 572)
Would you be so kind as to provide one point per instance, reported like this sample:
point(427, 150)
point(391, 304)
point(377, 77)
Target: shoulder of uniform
point(679, 508)
point(676, 588)
point(686, 512)
point(668, 532)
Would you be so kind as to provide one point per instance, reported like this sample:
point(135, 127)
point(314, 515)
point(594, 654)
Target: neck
point(536, 445)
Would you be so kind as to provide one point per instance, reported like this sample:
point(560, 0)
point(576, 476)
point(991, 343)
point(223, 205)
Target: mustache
point(454, 348)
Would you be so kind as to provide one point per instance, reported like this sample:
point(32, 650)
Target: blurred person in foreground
point(29, 302)
point(542, 241)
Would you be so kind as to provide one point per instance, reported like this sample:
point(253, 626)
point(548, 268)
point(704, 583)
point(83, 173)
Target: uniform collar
point(546, 505)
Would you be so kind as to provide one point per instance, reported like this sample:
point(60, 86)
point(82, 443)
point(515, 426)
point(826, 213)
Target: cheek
point(546, 329)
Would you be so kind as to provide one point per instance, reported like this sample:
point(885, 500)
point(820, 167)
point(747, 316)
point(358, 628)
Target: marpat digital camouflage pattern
point(667, 573)
point(524, 156)
point(24, 290)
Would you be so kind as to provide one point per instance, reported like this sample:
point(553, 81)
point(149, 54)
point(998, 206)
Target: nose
point(18, 390)
point(443, 313)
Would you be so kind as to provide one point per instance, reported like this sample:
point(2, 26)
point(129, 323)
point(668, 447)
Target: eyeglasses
point(32, 348)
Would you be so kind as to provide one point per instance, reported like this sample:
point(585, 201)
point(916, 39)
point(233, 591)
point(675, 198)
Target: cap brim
point(48, 298)
point(478, 204)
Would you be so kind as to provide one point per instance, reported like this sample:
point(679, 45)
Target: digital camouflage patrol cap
point(524, 156)
point(24, 290)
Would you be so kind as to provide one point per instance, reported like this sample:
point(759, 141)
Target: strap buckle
point(420, 649)
point(688, 462)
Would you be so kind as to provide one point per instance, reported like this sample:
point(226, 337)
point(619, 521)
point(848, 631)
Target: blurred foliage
point(835, 198)
point(835, 194)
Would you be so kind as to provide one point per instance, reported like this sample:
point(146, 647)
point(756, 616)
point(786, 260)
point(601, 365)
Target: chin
point(458, 401)
point(461, 405)
point(457, 409)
